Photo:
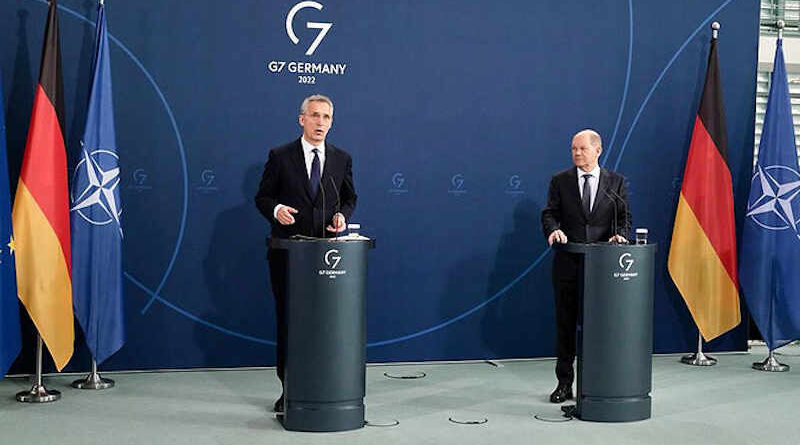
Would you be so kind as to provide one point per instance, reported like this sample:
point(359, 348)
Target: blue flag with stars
point(95, 212)
point(10, 336)
point(769, 259)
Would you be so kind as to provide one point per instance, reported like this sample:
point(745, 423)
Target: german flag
point(41, 209)
point(702, 256)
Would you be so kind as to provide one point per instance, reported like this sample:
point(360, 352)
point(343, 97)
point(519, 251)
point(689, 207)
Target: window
point(786, 10)
point(771, 12)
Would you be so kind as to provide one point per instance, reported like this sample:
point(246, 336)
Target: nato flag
point(10, 337)
point(95, 217)
point(770, 252)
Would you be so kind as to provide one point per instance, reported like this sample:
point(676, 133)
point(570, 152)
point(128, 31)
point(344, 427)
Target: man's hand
point(284, 215)
point(618, 239)
point(338, 224)
point(557, 236)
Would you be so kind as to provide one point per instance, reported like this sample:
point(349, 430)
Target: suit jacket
point(564, 210)
point(285, 181)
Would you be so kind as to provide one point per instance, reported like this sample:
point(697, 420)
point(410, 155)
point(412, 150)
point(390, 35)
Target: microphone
point(322, 220)
point(613, 201)
point(338, 200)
point(626, 226)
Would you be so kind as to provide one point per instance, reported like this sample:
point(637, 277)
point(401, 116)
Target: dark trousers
point(566, 289)
point(277, 273)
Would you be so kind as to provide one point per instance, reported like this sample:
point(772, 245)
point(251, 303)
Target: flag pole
point(38, 393)
point(698, 358)
point(771, 364)
point(94, 380)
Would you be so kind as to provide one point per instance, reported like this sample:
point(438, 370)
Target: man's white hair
point(594, 137)
point(315, 98)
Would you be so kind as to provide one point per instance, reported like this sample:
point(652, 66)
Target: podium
point(615, 331)
point(324, 380)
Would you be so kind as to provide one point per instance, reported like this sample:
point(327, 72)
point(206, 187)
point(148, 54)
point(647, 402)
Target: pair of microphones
point(324, 208)
point(614, 197)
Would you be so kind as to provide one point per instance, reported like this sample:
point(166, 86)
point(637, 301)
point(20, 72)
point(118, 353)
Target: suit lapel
point(573, 185)
point(299, 161)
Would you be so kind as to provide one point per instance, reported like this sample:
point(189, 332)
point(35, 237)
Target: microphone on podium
point(338, 200)
point(615, 227)
point(614, 197)
point(322, 220)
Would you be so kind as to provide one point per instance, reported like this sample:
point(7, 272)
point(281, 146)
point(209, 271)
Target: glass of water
point(641, 235)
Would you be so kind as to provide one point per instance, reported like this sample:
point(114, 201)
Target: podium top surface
point(285, 243)
point(593, 247)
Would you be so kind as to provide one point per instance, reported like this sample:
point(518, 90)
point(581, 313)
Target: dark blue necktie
point(314, 180)
point(586, 197)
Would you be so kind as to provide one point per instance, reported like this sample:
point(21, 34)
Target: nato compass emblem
point(775, 208)
point(97, 177)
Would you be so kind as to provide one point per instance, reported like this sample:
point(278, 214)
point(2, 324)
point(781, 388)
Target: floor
point(729, 403)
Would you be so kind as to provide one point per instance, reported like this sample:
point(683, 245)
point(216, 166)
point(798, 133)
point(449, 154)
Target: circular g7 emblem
point(626, 261)
point(322, 27)
point(332, 258)
point(398, 180)
point(458, 181)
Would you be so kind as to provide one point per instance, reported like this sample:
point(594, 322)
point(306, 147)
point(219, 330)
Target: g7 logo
point(323, 27)
point(398, 180)
point(458, 181)
point(332, 258)
point(139, 176)
point(208, 176)
point(625, 261)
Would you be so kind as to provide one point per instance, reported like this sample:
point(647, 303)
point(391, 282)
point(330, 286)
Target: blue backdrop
point(456, 114)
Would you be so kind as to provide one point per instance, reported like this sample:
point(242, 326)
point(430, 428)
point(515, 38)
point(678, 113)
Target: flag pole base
point(698, 359)
point(93, 381)
point(771, 364)
point(38, 394)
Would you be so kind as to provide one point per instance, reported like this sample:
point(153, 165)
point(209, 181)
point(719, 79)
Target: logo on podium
point(331, 259)
point(625, 262)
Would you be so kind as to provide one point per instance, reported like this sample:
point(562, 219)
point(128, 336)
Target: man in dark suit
point(306, 189)
point(580, 209)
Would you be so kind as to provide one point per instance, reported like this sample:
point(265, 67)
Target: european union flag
point(770, 253)
point(10, 337)
point(95, 217)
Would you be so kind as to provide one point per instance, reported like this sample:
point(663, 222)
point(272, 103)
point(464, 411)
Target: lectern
point(615, 331)
point(324, 381)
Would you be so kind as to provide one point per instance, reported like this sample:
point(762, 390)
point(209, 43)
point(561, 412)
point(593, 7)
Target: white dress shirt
point(593, 183)
point(308, 153)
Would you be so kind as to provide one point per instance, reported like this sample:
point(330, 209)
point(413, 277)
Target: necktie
point(586, 196)
point(314, 180)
